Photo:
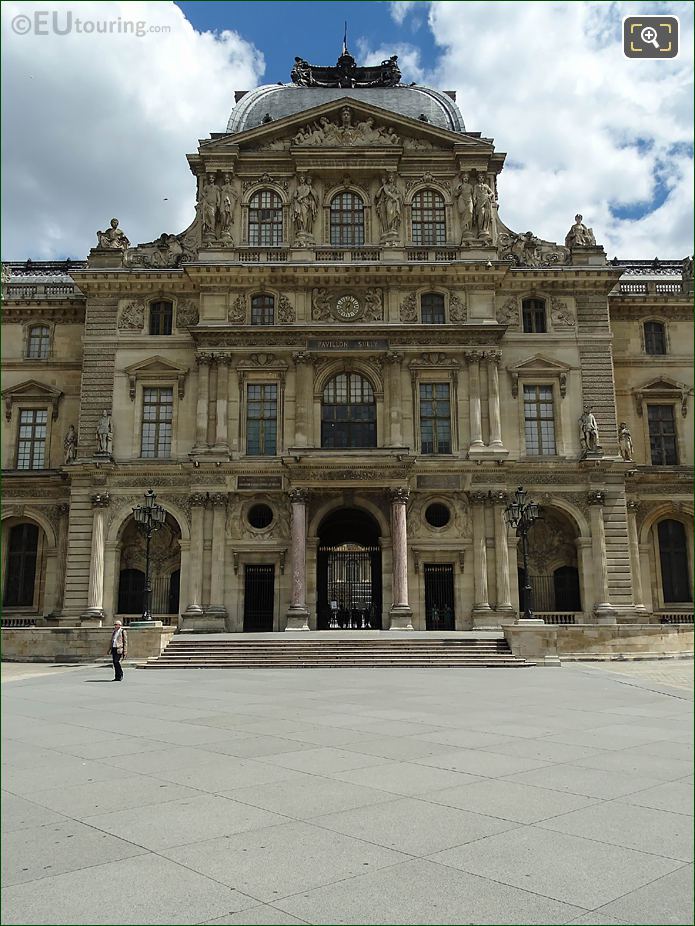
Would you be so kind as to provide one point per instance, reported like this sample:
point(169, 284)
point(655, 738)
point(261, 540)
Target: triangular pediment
point(539, 364)
point(663, 384)
point(155, 366)
point(32, 391)
point(328, 126)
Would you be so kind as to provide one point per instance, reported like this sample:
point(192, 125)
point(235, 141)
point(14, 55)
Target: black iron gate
point(349, 587)
point(439, 596)
point(259, 598)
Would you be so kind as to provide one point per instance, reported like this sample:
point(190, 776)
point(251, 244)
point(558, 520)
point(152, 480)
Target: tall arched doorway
point(348, 579)
point(553, 564)
point(165, 570)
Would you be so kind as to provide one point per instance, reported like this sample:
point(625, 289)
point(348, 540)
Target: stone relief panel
point(131, 316)
point(341, 306)
point(187, 313)
point(526, 250)
point(238, 525)
point(458, 526)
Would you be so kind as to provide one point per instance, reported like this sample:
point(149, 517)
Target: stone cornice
point(297, 336)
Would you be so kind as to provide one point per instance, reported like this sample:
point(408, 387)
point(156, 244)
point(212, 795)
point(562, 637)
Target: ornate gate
point(349, 587)
point(439, 596)
point(259, 598)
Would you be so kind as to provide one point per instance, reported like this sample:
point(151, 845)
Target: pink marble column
point(302, 398)
point(476, 426)
point(401, 615)
point(95, 599)
point(493, 381)
point(603, 609)
point(198, 503)
point(298, 615)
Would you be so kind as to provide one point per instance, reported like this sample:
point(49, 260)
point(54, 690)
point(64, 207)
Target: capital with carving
point(299, 496)
point(223, 360)
point(399, 496)
point(204, 359)
point(633, 505)
point(493, 357)
point(218, 499)
point(198, 500)
point(473, 356)
point(101, 500)
point(596, 497)
point(478, 498)
point(63, 509)
point(392, 357)
point(300, 357)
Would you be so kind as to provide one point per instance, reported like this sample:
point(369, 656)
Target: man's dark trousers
point(116, 656)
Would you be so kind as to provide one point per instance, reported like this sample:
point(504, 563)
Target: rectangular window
point(261, 420)
point(539, 421)
point(654, 338)
point(161, 317)
point(435, 418)
point(31, 445)
point(262, 310)
point(157, 416)
point(662, 435)
point(432, 309)
point(533, 316)
point(39, 344)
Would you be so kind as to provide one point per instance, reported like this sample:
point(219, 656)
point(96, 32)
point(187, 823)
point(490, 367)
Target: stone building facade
point(334, 379)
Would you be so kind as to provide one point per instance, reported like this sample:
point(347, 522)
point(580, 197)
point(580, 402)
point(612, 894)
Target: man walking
point(118, 649)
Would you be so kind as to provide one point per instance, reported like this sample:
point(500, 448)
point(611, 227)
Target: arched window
point(265, 219)
point(533, 316)
point(161, 317)
point(20, 569)
point(39, 342)
point(432, 309)
point(429, 220)
point(348, 413)
point(262, 309)
point(347, 220)
point(673, 553)
point(131, 591)
point(654, 338)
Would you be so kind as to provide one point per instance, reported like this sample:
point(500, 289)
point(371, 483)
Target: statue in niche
point(464, 202)
point(588, 430)
point(484, 210)
point(70, 445)
point(625, 442)
point(113, 239)
point(105, 434)
point(579, 236)
point(304, 207)
point(209, 206)
point(228, 198)
point(389, 204)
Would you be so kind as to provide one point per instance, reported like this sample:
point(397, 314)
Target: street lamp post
point(520, 515)
point(149, 518)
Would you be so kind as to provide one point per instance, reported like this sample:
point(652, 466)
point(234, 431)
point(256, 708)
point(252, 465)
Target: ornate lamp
point(520, 515)
point(149, 518)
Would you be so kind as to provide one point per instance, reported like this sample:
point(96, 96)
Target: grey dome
point(279, 101)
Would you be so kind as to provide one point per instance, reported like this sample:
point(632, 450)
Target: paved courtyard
point(463, 796)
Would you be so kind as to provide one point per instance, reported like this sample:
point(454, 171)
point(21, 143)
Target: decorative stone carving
point(625, 442)
point(70, 445)
point(286, 313)
point(529, 251)
point(104, 434)
point(304, 209)
point(484, 211)
point(457, 309)
point(588, 430)
point(101, 500)
point(187, 313)
point(408, 311)
point(131, 317)
point(228, 198)
point(344, 133)
point(346, 73)
point(687, 268)
point(262, 360)
point(579, 236)
point(434, 358)
point(389, 205)
point(298, 496)
point(561, 315)
point(320, 304)
point(550, 543)
point(237, 310)
point(429, 179)
point(508, 314)
point(165, 251)
point(209, 206)
point(464, 203)
point(113, 239)
point(596, 497)
point(265, 179)
point(373, 305)
point(399, 496)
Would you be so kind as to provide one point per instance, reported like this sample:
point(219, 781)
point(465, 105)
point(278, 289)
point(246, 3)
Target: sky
point(98, 125)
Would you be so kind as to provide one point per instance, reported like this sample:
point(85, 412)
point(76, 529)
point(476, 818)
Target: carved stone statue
point(579, 236)
point(113, 239)
point(228, 199)
point(588, 430)
point(304, 206)
point(389, 204)
point(464, 202)
point(687, 270)
point(70, 445)
point(209, 206)
point(105, 433)
point(625, 442)
point(484, 210)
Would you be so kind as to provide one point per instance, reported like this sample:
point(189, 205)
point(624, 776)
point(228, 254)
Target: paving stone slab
point(667, 900)
point(21, 814)
point(483, 763)
point(407, 778)
point(587, 781)
point(673, 796)
point(263, 915)
point(312, 796)
point(97, 797)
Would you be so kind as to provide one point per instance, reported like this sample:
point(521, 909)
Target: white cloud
point(98, 125)
point(401, 8)
point(409, 59)
point(586, 129)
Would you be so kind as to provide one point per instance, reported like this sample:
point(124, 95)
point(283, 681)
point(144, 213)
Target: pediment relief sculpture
point(526, 250)
point(328, 305)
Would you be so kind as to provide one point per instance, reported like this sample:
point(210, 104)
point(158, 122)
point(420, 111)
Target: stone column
point(221, 434)
point(298, 615)
point(473, 358)
point(481, 604)
point(204, 362)
point(602, 607)
point(504, 593)
point(303, 400)
point(400, 614)
point(493, 380)
point(394, 360)
point(198, 503)
point(635, 566)
point(63, 513)
point(219, 514)
point(95, 599)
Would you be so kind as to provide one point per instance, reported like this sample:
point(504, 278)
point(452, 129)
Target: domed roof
point(280, 100)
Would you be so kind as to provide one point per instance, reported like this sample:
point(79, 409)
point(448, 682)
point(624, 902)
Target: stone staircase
point(276, 652)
